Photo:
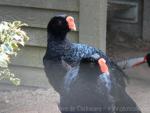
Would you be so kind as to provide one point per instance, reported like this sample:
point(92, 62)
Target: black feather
point(86, 94)
point(148, 59)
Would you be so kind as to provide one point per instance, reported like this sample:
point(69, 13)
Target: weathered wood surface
point(38, 36)
point(93, 15)
point(66, 5)
point(29, 56)
point(146, 20)
point(33, 17)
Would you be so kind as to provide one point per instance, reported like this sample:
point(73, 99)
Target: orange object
point(71, 23)
point(103, 66)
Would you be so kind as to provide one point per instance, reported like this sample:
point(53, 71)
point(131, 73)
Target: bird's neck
point(57, 36)
point(57, 39)
point(57, 47)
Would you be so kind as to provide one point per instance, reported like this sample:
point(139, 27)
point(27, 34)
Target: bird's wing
point(86, 52)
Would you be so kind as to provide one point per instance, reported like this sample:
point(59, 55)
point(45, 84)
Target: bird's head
point(61, 25)
point(147, 58)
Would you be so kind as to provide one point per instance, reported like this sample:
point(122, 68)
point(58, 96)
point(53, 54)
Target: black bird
point(148, 59)
point(134, 62)
point(73, 71)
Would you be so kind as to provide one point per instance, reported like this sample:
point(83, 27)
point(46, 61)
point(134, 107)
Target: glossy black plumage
point(148, 59)
point(77, 82)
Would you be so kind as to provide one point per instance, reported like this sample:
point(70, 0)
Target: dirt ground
point(29, 101)
point(45, 100)
point(139, 87)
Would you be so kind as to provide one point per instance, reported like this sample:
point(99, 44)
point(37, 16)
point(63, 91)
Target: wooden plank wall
point(37, 13)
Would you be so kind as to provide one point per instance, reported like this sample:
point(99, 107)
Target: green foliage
point(12, 37)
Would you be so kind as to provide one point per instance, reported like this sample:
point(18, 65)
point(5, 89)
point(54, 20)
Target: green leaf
point(15, 81)
point(11, 38)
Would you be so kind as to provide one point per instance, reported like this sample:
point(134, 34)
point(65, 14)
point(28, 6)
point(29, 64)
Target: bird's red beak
point(71, 23)
point(140, 62)
point(103, 66)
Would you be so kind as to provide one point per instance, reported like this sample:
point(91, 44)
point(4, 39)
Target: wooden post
point(146, 20)
point(93, 18)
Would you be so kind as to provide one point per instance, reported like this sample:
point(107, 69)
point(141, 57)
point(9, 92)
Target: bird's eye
point(59, 22)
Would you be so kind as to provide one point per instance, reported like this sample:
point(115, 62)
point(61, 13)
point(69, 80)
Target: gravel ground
point(29, 101)
point(139, 87)
point(45, 101)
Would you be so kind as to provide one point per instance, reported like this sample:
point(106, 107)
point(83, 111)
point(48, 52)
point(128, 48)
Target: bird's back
point(85, 94)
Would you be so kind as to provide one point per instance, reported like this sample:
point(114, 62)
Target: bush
point(12, 37)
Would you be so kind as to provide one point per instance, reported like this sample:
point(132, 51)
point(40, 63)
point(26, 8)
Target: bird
point(60, 49)
point(134, 62)
point(147, 59)
point(74, 70)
